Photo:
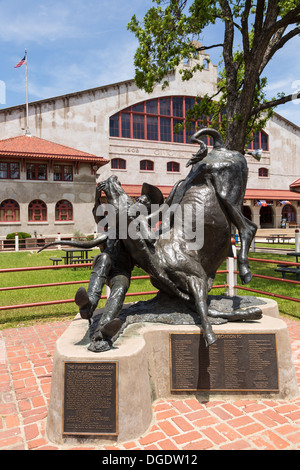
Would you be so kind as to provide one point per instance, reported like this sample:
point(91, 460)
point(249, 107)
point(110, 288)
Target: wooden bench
point(271, 238)
point(55, 261)
point(286, 269)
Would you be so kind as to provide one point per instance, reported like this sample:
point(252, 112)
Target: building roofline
point(44, 149)
point(69, 95)
point(103, 87)
point(287, 121)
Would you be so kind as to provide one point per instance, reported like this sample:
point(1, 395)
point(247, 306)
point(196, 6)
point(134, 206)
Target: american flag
point(21, 62)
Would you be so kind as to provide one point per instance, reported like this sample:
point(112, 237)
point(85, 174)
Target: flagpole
point(27, 120)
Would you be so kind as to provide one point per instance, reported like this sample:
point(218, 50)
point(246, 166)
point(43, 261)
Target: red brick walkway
point(25, 378)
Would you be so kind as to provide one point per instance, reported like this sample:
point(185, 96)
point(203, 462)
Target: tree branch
point(228, 48)
point(245, 28)
point(274, 103)
point(204, 48)
point(276, 43)
point(292, 17)
point(259, 17)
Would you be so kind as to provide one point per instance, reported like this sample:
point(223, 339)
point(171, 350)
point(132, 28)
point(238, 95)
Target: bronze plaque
point(235, 362)
point(90, 398)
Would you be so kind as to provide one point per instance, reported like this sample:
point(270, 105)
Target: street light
point(256, 154)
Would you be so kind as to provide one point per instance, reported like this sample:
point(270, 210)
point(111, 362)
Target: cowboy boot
point(87, 301)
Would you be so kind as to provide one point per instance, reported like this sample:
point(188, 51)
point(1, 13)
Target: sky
point(75, 45)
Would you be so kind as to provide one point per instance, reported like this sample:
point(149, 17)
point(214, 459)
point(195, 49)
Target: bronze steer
point(172, 261)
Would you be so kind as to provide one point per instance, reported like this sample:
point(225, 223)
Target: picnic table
point(278, 236)
point(81, 256)
point(286, 269)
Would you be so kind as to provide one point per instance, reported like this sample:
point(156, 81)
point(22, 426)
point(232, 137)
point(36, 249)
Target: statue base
point(108, 396)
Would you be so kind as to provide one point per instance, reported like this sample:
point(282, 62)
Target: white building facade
point(135, 132)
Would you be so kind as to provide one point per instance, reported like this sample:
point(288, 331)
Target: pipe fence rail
point(231, 286)
point(18, 243)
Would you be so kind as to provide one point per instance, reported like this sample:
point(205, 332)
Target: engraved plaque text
point(236, 362)
point(90, 398)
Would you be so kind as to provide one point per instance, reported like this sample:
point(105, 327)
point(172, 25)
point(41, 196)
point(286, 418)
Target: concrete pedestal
point(143, 357)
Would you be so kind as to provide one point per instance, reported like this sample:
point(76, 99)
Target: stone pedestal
point(142, 355)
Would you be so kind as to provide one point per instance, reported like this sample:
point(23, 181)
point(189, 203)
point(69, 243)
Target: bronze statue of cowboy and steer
point(180, 266)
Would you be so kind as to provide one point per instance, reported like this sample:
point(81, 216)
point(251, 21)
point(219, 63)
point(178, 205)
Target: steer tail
point(218, 140)
point(87, 244)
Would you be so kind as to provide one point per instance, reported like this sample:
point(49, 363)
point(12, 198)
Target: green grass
point(27, 316)
point(267, 269)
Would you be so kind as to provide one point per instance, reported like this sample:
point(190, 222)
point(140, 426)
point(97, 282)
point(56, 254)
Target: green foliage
point(21, 235)
point(167, 37)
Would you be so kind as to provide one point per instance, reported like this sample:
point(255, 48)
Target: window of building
point(263, 172)
point(289, 213)
point(157, 119)
point(63, 173)
point(147, 165)
point(173, 166)
point(36, 171)
point(9, 211)
point(10, 170)
point(260, 141)
point(138, 126)
point(37, 211)
point(63, 211)
point(118, 164)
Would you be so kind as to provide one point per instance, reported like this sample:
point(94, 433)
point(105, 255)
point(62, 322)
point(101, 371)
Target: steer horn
point(218, 140)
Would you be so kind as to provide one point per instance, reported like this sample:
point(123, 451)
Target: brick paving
point(178, 424)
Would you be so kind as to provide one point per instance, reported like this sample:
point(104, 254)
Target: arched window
point(289, 213)
point(63, 211)
point(9, 211)
point(118, 164)
point(37, 211)
point(260, 141)
point(146, 165)
point(173, 166)
point(263, 172)
point(158, 119)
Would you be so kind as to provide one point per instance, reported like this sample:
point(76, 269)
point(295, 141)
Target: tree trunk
point(236, 135)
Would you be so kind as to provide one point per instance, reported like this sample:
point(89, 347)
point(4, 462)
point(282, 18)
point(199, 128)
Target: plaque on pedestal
point(90, 398)
point(236, 362)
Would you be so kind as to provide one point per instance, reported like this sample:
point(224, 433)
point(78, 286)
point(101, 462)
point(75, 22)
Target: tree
point(167, 37)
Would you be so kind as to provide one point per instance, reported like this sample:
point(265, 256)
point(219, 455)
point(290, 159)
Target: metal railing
point(231, 286)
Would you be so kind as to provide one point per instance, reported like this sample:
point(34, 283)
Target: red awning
point(275, 194)
point(134, 190)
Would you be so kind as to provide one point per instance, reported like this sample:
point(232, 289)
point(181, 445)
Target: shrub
point(21, 235)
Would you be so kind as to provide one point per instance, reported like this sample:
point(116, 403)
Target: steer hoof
point(209, 338)
point(245, 274)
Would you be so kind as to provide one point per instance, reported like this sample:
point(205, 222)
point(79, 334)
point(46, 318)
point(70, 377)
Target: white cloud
point(20, 25)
